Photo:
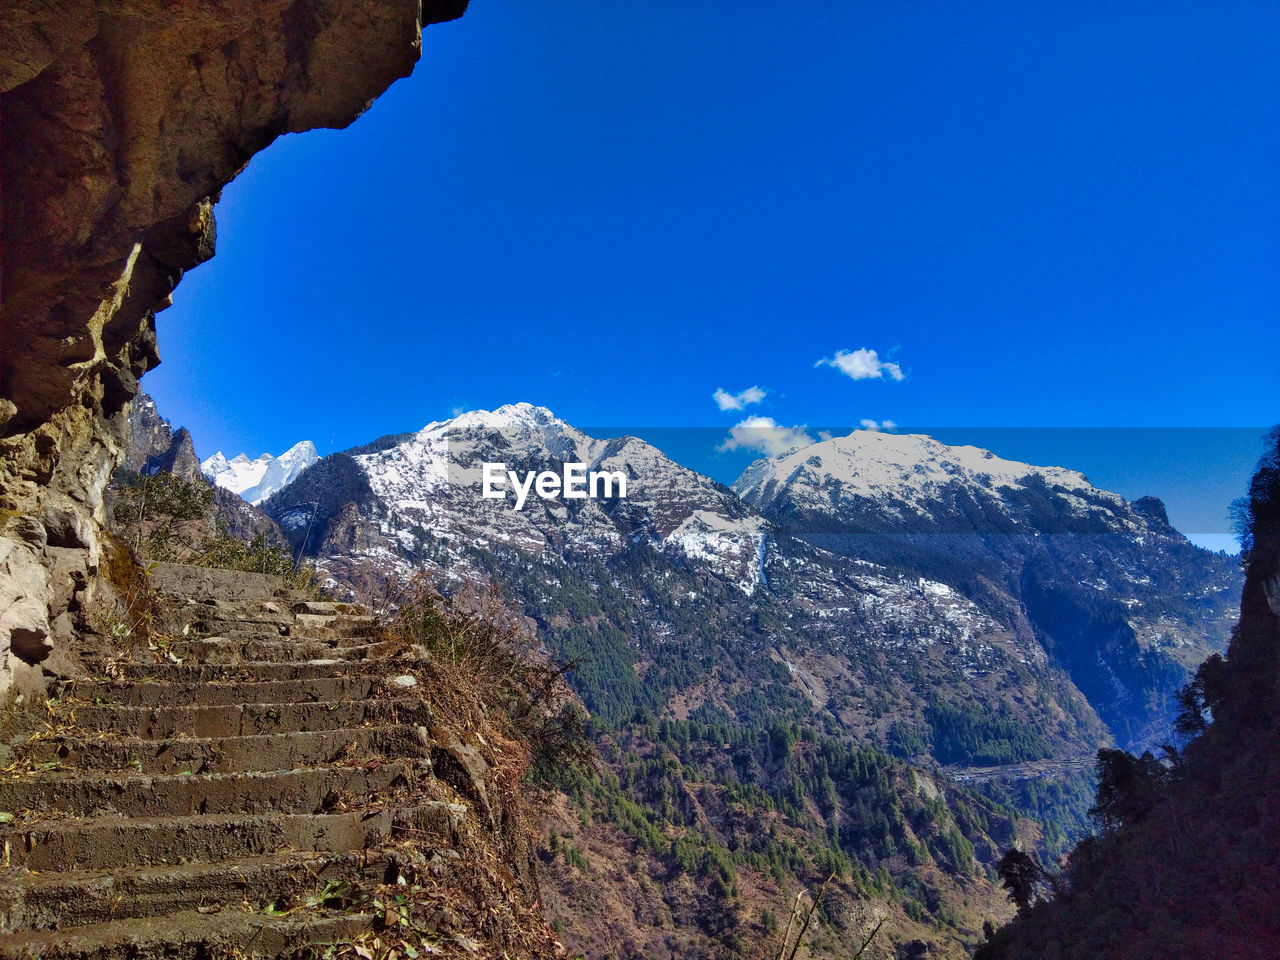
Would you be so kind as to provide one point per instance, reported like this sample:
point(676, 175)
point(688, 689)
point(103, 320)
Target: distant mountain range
point(893, 577)
point(256, 480)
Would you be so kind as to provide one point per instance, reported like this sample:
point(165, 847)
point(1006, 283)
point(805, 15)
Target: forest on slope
point(1184, 863)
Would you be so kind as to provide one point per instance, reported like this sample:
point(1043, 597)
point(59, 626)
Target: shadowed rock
point(122, 122)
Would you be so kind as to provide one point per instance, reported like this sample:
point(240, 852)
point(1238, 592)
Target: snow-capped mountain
point(683, 571)
point(961, 511)
point(430, 486)
point(256, 480)
point(677, 569)
point(903, 475)
point(1117, 596)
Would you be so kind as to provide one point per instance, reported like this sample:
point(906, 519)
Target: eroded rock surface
point(120, 123)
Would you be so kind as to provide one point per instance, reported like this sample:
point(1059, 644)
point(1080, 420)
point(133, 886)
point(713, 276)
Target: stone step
point(220, 650)
point(190, 935)
point(206, 620)
point(194, 672)
point(199, 583)
point(326, 689)
point(129, 793)
point(105, 843)
point(335, 636)
point(277, 744)
point(330, 608)
point(54, 901)
point(341, 636)
point(274, 608)
point(280, 751)
point(194, 616)
point(241, 720)
point(346, 618)
point(258, 611)
point(240, 628)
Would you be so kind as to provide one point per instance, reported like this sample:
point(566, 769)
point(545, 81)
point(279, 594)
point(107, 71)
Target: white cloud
point(863, 364)
point(763, 434)
point(868, 424)
point(737, 401)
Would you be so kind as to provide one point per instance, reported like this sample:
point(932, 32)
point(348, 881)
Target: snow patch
point(256, 480)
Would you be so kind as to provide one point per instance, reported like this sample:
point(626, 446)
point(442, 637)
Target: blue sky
point(1046, 216)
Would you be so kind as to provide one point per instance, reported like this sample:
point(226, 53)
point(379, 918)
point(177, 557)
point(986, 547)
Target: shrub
point(163, 516)
point(258, 555)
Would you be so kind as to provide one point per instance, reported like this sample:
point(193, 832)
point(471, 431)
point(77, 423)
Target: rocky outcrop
point(121, 122)
point(155, 447)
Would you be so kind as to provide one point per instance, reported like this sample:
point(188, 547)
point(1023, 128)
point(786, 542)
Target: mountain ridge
point(417, 502)
point(256, 480)
point(901, 468)
point(1109, 588)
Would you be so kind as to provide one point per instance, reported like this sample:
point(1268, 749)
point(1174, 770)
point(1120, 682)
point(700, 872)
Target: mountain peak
point(304, 450)
point(889, 467)
point(505, 417)
point(255, 480)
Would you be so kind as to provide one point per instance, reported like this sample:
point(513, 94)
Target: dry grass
point(474, 641)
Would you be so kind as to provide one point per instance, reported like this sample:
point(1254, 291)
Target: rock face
point(121, 124)
point(155, 447)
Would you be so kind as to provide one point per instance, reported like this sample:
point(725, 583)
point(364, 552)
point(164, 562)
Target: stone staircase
point(224, 797)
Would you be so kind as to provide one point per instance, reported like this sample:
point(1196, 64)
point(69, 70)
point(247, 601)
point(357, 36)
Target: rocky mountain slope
point(155, 447)
point(1057, 576)
point(1108, 589)
point(677, 568)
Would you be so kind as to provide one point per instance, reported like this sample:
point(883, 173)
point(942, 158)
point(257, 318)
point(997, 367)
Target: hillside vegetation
point(1184, 863)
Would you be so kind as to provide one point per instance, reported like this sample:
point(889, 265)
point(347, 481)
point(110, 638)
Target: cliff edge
point(119, 125)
